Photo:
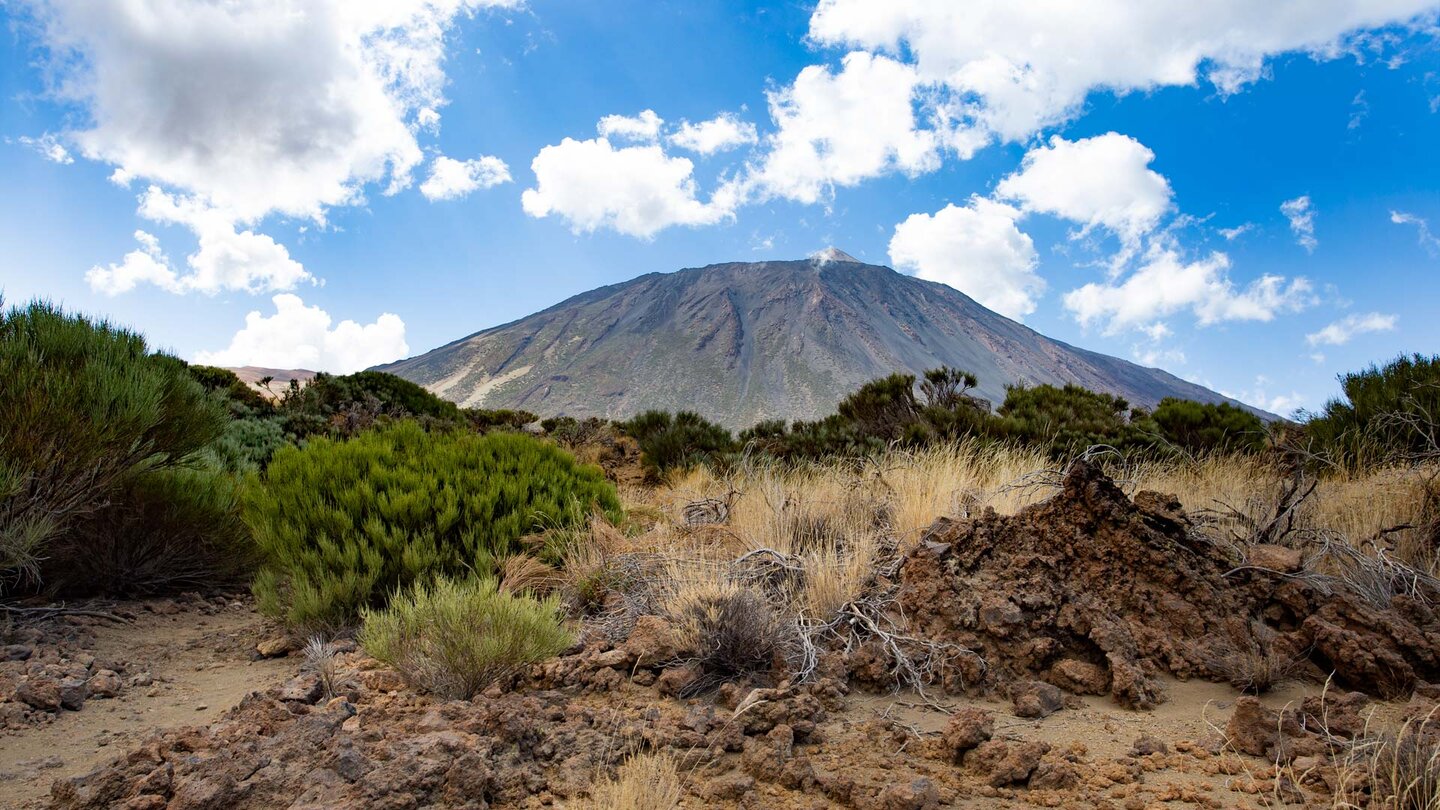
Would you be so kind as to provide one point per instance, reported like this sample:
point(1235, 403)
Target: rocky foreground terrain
point(1076, 654)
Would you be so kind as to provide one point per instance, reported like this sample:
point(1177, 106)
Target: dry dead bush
point(1257, 666)
point(732, 633)
point(643, 782)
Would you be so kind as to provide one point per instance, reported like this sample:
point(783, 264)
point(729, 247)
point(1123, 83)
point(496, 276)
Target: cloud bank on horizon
point(228, 119)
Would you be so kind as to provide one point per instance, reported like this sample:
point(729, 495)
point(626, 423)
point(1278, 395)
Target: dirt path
point(198, 666)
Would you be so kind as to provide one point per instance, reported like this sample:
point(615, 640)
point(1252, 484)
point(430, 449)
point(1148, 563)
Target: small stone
point(73, 692)
point(652, 642)
point(675, 680)
point(968, 727)
point(275, 646)
point(304, 688)
point(1036, 699)
point(351, 765)
point(200, 707)
point(1019, 762)
point(39, 692)
point(1080, 677)
point(105, 684)
point(16, 652)
point(729, 787)
point(1146, 744)
point(613, 659)
point(1274, 558)
point(919, 794)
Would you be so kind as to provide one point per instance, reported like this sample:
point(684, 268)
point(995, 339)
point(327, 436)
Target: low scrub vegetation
point(938, 408)
point(343, 524)
point(454, 638)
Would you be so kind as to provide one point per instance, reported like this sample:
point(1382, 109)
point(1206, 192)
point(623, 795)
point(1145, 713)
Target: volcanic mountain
point(741, 342)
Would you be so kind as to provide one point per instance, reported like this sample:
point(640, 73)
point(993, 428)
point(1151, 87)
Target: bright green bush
point(344, 524)
point(85, 409)
point(456, 638)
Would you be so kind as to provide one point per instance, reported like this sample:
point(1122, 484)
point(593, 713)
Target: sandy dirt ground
point(197, 664)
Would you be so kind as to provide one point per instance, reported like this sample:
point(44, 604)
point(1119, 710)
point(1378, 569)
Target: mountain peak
point(832, 255)
point(741, 342)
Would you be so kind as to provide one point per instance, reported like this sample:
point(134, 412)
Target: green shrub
point(343, 524)
point(1068, 420)
point(483, 419)
point(86, 410)
point(1202, 427)
point(1388, 414)
point(348, 404)
point(165, 531)
point(456, 638)
point(677, 441)
point(882, 408)
point(243, 398)
point(247, 444)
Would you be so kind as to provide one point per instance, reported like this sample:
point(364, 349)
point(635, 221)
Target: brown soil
point(181, 662)
point(1098, 594)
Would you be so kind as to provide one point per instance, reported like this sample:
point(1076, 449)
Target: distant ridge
point(742, 342)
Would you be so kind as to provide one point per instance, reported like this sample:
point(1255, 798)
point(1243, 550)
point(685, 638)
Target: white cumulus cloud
point(1165, 283)
point(299, 336)
point(1014, 67)
point(144, 265)
point(635, 190)
point(1105, 181)
point(1301, 214)
point(977, 250)
point(723, 132)
point(642, 127)
point(840, 128)
point(252, 107)
point(1340, 332)
point(451, 179)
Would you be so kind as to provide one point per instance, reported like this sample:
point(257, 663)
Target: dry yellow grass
point(909, 490)
point(643, 782)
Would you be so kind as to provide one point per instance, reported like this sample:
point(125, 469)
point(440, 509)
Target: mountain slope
point(744, 342)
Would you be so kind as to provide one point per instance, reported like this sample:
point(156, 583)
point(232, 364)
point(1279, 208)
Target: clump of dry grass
point(1396, 768)
point(521, 573)
point(1257, 665)
point(643, 782)
point(733, 633)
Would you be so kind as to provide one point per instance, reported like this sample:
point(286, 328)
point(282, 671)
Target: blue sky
point(1245, 194)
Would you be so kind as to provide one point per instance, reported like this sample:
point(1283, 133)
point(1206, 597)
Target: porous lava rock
point(1091, 590)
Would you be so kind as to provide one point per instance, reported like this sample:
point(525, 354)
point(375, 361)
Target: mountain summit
point(741, 342)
